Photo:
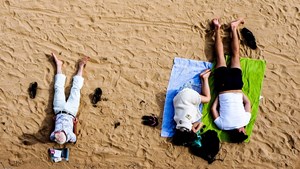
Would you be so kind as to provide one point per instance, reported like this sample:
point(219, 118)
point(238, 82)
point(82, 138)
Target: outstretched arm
point(214, 108)
point(205, 96)
point(247, 103)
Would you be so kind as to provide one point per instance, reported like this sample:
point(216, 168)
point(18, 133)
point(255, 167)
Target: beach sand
point(132, 45)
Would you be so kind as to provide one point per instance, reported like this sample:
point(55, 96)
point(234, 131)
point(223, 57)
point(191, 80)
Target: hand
point(242, 130)
point(197, 126)
point(75, 121)
point(205, 74)
point(247, 104)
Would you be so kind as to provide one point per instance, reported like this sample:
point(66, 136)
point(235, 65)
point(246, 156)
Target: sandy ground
point(132, 45)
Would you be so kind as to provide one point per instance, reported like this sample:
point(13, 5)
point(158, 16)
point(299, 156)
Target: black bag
point(210, 146)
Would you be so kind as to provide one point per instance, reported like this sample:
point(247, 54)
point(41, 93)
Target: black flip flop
point(97, 95)
point(151, 121)
point(32, 89)
point(117, 124)
point(249, 38)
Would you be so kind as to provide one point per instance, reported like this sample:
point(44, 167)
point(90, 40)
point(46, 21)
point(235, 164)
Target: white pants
point(59, 101)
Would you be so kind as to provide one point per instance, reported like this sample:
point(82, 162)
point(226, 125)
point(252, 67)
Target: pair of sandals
point(151, 121)
point(33, 89)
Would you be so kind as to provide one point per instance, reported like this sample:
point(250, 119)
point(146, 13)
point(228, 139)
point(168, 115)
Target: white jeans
point(59, 101)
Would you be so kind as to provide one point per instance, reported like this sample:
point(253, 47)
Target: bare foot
point(81, 65)
point(216, 23)
point(83, 61)
point(205, 74)
point(57, 61)
point(235, 24)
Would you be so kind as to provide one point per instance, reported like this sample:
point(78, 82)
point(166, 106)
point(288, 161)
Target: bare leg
point(205, 86)
point(81, 65)
point(235, 44)
point(219, 44)
point(58, 63)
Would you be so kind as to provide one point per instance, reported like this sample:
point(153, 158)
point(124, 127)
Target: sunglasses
point(202, 129)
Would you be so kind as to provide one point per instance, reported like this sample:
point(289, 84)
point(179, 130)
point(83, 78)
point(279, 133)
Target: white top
point(186, 105)
point(64, 122)
point(232, 112)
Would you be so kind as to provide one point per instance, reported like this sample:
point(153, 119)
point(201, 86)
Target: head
point(237, 135)
point(60, 137)
point(183, 137)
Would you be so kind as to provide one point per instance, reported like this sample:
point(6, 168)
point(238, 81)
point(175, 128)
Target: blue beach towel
point(185, 72)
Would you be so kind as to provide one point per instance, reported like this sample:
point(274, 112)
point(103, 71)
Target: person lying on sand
point(231, 108)
point(65, 111)
point(187, 113)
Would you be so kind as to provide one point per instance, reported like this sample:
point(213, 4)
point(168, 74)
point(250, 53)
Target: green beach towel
point(253, 75)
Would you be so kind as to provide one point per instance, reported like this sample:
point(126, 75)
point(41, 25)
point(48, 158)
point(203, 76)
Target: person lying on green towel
point(231, 108)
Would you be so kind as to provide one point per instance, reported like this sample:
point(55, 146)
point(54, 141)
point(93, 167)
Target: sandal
point(97, 95)
point(151, 121)
point(32, 89)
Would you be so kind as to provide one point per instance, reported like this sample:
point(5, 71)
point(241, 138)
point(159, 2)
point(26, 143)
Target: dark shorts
point(228, 79)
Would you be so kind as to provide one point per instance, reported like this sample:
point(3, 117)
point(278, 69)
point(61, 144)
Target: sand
point(132, 45)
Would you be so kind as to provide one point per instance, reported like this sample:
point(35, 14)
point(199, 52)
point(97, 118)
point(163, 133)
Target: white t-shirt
point(232, 112)
point(186, 105)
point(64, 122)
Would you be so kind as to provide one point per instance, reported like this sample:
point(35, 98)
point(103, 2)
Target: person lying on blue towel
point(187, 112)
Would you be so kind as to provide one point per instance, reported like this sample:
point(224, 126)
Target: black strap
point(64, 112)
